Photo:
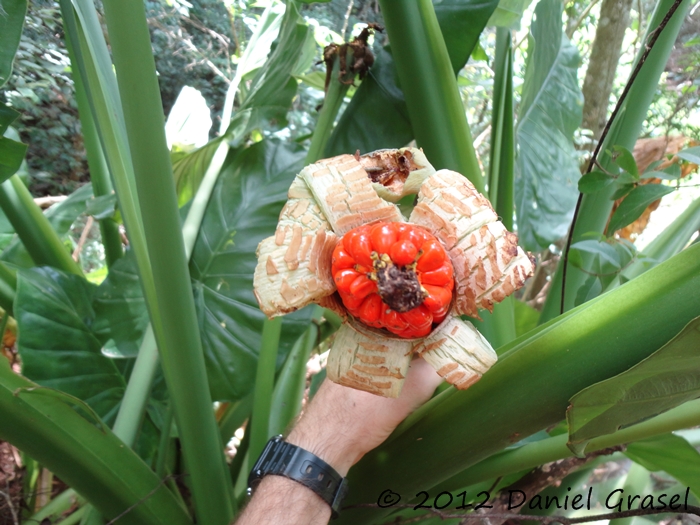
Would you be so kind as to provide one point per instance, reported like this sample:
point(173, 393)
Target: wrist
point(338, 452)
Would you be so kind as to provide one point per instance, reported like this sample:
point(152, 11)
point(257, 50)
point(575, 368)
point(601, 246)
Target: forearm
point(339, 426)
point(279, 500)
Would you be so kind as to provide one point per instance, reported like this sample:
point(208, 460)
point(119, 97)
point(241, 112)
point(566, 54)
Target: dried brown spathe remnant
point(489, 265)
point(333, 196)
point(396, 173)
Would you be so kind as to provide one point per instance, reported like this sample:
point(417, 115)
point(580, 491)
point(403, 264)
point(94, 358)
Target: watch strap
point(284, 459)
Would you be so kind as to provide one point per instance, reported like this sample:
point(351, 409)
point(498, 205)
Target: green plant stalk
point(554, 448)
point(264, 383)
point(428, 82)
point(177, 332)
point(99, 172)
point(74, 518)
point(636, 482)
point(499, 327)
point(138, 391)
point(33, 229)
point(57, 506)
point(164, 443)
point(289, 388)
point(91, 516)
point(195, 215)
point(92, 60)
point(240, 459)
point(234, 417)
point(596, 207)
point(669, 242)
point(530, 386)
point(92, 460)
point(326, 117)
point(8, 285)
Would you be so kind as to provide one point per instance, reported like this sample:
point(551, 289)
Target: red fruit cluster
point(378, 263)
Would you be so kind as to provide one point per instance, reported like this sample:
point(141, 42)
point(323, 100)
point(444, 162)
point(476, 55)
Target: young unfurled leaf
point(635, 203)
point(624, 158)
point(594, 181)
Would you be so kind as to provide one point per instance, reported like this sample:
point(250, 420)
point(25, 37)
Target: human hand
point(342, 424)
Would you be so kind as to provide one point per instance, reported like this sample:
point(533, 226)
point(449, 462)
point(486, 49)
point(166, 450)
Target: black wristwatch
point(284, 459)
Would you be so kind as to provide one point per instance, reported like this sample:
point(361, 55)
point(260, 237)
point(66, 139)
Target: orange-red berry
point(377, 263)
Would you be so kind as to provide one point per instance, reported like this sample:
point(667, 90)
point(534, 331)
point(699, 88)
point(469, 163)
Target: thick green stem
point(289, 388)
point(326, 117)
point(264, 383)
point(596, 207)
point(499, 327)
point(8, 284)
point(428, 82)
point(138, 391)
point(530, 386)
point(177, 333)
point(33, 229)
point(57, 506)
point(554, 448)
point(92, 58)
point(234, 417)
point(99, 171)
point(164, 443)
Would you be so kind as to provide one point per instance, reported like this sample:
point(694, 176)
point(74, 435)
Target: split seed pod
point(323, 252)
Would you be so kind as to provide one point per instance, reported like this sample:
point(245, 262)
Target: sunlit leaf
point(666, 379)
point(547, 171)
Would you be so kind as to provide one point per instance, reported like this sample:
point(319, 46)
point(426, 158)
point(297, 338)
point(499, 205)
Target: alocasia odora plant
point(401, 286)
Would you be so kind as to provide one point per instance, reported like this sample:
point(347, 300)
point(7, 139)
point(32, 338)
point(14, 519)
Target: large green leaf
point(377, 116)
point(11, 22)
point(243, 210)
point(58, 349)
point(672, 454)
point(546, 168)
point(667, 378)
point(121, 316)
point(61, 216)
